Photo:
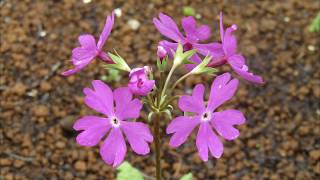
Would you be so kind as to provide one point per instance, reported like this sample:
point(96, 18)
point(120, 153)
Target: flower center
point(187, 46)
point(115, 122)
point(206, 117)
point(140, 83)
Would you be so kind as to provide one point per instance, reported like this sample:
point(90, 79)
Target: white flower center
point(114, 122)
point(206, 117)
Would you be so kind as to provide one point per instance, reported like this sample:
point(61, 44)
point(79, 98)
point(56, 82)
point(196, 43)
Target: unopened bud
point(161, 52)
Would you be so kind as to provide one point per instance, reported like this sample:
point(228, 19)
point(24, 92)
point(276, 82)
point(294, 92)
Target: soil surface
point(281, 139)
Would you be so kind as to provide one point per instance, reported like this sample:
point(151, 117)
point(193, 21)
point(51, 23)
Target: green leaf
point(126, 171)
point(188, 54)
point(112, 66)
point(162, 64)
point(202, 67)
point(315, 25)
point(119, 62)
point(188, 11)
point(181, 57)
point(188, 176)
point(209, 70)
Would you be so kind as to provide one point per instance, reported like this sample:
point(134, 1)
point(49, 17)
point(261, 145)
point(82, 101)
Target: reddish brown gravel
point(37, 106)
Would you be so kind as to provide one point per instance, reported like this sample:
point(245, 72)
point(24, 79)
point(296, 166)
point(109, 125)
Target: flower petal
point(89, 121)
point(203, 32)
point(138, 135)
point(100, 98)
point(242, 69)
point(193, 103)
point(181, 126)
point(106, 31)
point(222, 90)
point(72, 71)
point(230, 41)
point(213, 49)
point(81, 56)
point(125, 106)
point(206, 139)
point(237, 60)
point(195, 59)
point(87, 41)
point(167, 27)
point(224, 121)
point(201, 142)
point(214, 143)
point(193, 33)
point(143, 90)
point(170, 47)
point(94, 129)
point(113, 149)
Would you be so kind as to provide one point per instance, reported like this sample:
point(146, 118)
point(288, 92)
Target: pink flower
point(89, 50)
point(139, 82)
point(167, 27)
point(161, 52)
point(229, 55)
point(222, 89)
point(102, 99)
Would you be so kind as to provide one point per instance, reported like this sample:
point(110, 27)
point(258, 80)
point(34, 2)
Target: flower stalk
point(157, 144)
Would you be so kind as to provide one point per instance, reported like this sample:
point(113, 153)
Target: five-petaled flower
point(113, 150)
point(193, 35)
point(89, 50)
point(222, 89)
point(228, 54)
point(139, 83)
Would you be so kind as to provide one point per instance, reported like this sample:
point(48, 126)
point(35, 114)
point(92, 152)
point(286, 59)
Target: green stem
point(160, 88)
point(157, 145)
point(167, 81)
point(181, 79)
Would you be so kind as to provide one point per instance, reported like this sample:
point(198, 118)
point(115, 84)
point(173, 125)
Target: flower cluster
point(121, 107)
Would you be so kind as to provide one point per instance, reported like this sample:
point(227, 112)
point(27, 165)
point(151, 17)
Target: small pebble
point(40, 111)
point(118, 12)
point(45, 86)
point(311, 48)
point(134, 24)
point(80, 166)
point(86, 1)
point(286, 19)
point(19, 89)
point(42, 33)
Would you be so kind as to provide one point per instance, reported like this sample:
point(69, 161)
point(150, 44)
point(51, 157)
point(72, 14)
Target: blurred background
point(281, 139)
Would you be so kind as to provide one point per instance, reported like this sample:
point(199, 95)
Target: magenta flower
point(161, 52)
point(222, 89)
point(230, 56)
point(89, 50)
point(139, 83)
point(113, 150)
point(167, 27)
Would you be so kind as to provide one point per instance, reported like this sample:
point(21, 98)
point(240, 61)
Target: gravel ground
point(281, 139)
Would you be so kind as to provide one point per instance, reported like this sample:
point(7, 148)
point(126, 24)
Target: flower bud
point(161, 52)
point(139, 83)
